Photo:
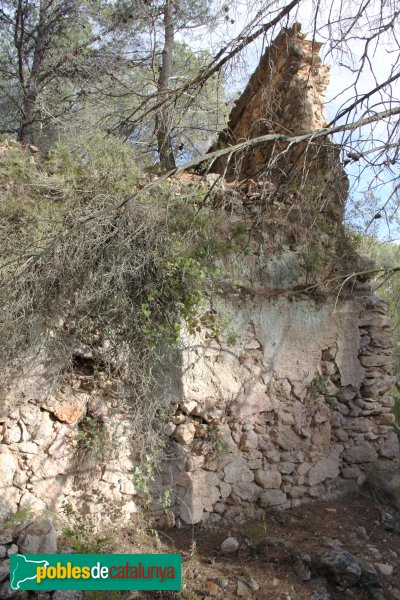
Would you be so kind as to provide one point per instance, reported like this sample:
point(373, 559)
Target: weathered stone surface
point(237, 470)
point(169, 429)
point(201, 493)
point(212, 588)
point(351, 473)
point(188, 405)
point(68, 595)
point(286, 468)
point(12, 434)
point(185, 433)
point(351, 371)
point(360, 454)
point(4, 570)
point(6, 536)
point(369, 577)
point(258, 420)
point(129, 508)
point(385, 569)
point(326, 468)
point(28, 448)
point(229, 545)
point(13, 549)
point(68, 411)
point(255, 402)
point(342, 566)
point(111, 476)
point(223, 433)
point(272, 498)
point(389, 446)
point(246, 490)
point(375, 387)
point(243, 590)
point(5, 592)
point(268, 478)
point(298, 491)
point(376, 360)
point(32, 502)
point(302, 564)
point(329, 353)
point(45, 429)
point(57, 448)
point(286, 438)
point(39, 538)
point(128, 487)
point(225, 489)
point(8, 465)
point(249, 441)
point(26, 436)
point(30, 415)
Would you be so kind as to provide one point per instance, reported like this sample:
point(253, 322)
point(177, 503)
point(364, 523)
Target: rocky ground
point(322, 551)
point(347, 548)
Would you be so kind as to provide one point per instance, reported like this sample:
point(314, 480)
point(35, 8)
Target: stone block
point(286, 438)
point(272, 498)
point(360, 454)
point(249, 441)
point(268, 478)
point(237, 470)
point(326, 468)
point(246, 490)
point(254, 402)
point(184, 434)
point(389, 446)
point(8, 465)
point(38, 538)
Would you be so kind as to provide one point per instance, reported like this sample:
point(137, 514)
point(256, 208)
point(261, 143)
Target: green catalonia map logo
point(95, 571)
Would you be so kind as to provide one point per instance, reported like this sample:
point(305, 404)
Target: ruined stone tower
point(290, 401)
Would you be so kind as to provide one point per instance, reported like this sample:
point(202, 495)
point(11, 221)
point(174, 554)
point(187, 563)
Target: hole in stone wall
point(82, 365)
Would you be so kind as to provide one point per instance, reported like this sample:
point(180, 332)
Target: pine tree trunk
point(164, 143)
point(28, 127)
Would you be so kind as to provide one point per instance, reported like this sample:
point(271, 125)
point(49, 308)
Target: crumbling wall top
point(285, 95)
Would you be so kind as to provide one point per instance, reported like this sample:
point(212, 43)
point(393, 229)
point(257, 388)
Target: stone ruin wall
point(296, 408)
point(293, 406)
point(286, 96)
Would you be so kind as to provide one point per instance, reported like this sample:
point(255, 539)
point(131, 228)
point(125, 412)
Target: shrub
point(89, 257)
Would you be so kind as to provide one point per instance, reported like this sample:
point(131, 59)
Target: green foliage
point(166, 500)
point(80, 533)
point(208, 114)
point(99, 163)
point(21, 514)
point(144, 476)
point(232, 338)
point(33, 202)
point(123, 281)
point(184, 278)
point(92, 436)
point(318, 387)
point(256, 534)
point(218, 444)
point(144, 482)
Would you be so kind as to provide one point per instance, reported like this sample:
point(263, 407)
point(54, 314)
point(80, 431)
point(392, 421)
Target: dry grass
point(76, 272)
